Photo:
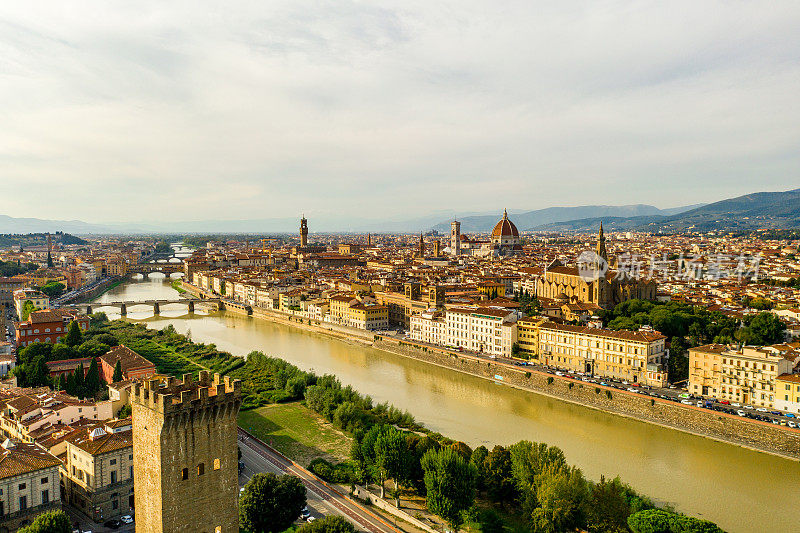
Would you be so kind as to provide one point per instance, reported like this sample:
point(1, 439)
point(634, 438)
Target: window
point(23, 503)
point(44, 480)
point(45, 497)
point(216, 464)
point(113, 462)
point(185, 474)
point(22, 486)
point(115, 503)
point(131, 471)
point(201, 469)
point(113, 476)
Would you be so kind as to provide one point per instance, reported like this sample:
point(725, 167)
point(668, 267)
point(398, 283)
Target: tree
point(608, 508)
point(329, 524)
point(79, 384)
point(117, 377)
point(478, 458)
point(561, 494)
point(499, 480)
point(74, 335)
point(93, 383)
point(763, 328)
point(125, 412)
point(27, 309)
point(392, 458)
point(450, 484)
point(651, 521)
point(49, 522)
point(270, 503)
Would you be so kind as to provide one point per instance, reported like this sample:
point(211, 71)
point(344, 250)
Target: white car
point(736, 405)
point(748, 407)
point(791, 424)
point(559, 373)
point(127, 519)
point(740, 412)
point(686, 402)
point(310, 519)
point(762, 409)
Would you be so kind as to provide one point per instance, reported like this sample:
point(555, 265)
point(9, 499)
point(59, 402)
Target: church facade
point(594, 283)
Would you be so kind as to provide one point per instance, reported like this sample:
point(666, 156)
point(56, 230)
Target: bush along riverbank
point(524, 486)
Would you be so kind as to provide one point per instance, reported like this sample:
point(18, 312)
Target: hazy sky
point(125, 111)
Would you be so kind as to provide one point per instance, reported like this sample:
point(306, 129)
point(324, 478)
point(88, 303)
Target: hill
point(553, 215)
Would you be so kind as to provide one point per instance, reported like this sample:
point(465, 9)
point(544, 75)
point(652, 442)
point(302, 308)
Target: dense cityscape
point(292, 266)
point(693, 331)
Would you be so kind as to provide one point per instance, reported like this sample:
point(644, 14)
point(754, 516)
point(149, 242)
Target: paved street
point(322, 500)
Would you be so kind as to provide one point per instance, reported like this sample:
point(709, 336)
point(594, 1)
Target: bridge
point(147, 268)
point(155, 304)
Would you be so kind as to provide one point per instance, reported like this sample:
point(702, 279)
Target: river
point(739, 489)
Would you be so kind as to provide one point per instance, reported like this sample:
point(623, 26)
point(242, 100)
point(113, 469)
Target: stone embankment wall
point(720, 426)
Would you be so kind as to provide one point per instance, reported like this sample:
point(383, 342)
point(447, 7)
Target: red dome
point(505, 228)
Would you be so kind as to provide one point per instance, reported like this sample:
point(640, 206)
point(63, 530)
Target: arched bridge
point(155, 304)
point(147, 268)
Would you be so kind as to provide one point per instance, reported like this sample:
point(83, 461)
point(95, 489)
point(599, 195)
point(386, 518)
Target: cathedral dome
point(505, 228)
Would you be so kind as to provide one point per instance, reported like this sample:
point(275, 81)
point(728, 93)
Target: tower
point(303, 232)
point(601, 244)
point(455, 237)
point(437, 248)
point(369, 239)
point(421, 246)
point(185, 454)
point(49, 251)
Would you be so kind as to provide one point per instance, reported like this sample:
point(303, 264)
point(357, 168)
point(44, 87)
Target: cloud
point(170, 111)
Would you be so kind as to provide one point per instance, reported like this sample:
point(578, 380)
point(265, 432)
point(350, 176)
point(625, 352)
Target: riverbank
point(754, 435)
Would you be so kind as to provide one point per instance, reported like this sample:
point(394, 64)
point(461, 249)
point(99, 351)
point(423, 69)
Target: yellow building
point(750, 375)
point(528, 336)
point(705, 370)
point(787, 393)
point(636, 356)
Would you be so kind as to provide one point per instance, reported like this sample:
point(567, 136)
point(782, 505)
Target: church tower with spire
point(601, 244)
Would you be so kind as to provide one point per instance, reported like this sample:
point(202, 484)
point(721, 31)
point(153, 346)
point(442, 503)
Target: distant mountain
point(762, 210)
point(34, 225)
point(551, 215)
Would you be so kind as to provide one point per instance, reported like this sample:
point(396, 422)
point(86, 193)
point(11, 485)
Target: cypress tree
point(117, 373)
point(74, 335)
point(92, 383)
point(79, 384)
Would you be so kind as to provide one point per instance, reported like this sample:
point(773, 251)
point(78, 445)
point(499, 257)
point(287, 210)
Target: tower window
point(185, 474)
point(201, 469)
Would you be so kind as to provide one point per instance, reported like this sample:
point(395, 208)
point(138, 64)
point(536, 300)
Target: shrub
point(608, 394)
point(550, 380)
point(597, 390)
point(571, 384)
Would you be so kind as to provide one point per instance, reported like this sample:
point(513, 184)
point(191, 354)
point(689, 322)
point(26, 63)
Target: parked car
point(789, 415)
point(724, 402)
point(686, 402)
point(791, 424)
point(762, 409)
point(127, 519)
point(740, 412)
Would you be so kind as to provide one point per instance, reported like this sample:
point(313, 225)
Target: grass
point(178, 287)
point(297, 432)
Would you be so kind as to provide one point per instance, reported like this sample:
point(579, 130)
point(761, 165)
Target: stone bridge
point(155, 304)
point(147, 268)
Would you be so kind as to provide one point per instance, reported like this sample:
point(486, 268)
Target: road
point(322, 500)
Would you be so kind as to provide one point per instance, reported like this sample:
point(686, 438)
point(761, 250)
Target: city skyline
point(268, 111)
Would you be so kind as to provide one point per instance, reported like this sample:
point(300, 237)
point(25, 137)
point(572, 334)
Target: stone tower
point(185, 455)
point(437, 248)
point(601, 244)
point(421, 250)
point(455, 237)
point(303, 232)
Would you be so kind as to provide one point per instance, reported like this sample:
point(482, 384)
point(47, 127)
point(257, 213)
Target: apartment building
point(787, 393)
point(28, 483)
point(635, 356)
point(749, 375)
point(482, 329)
point(705, 370)
point(31, 415)
point(97, 475)
point(429, 327)
point(22, 296)
point(47, 326)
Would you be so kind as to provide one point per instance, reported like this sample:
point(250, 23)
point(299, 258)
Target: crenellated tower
point(303, 232)
point(185, 454)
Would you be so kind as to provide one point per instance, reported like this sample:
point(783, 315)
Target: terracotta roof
point(127, 358)
point(97, 439)
point(623, 335)
point(21, 458)
point(793, 378)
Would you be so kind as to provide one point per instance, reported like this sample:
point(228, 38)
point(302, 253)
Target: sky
point(133, 111)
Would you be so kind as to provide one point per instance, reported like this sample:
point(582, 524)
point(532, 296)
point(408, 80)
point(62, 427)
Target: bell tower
point(601, 244)
point(455, 237)
point(303, 232)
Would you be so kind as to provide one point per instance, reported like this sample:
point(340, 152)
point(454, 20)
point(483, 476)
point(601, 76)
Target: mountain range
point(748, 212)
point(761, 210)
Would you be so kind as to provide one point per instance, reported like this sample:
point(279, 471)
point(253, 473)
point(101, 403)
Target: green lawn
point(297, 432)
